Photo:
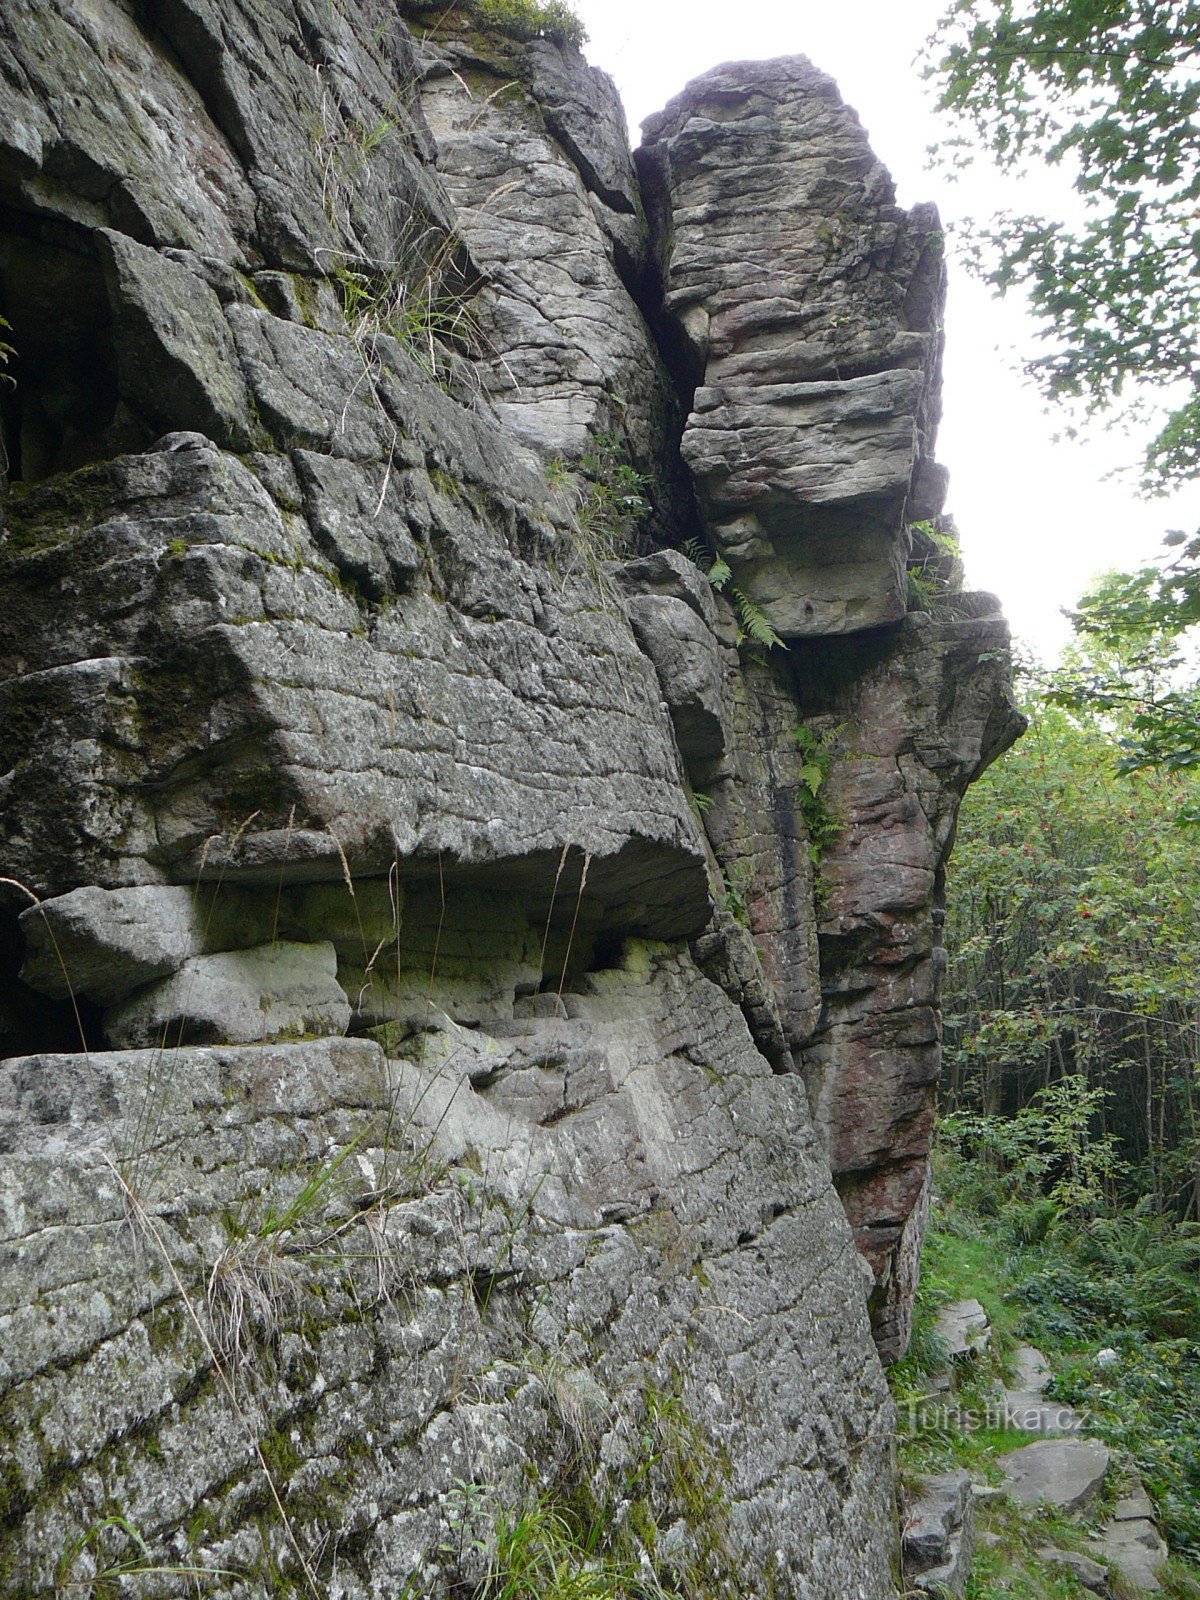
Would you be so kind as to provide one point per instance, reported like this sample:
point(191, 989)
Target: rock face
point(813, 340)
point(458, 972)
point(914, 715)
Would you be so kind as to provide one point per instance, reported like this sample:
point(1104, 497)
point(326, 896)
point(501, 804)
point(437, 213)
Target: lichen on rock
point(476, 793)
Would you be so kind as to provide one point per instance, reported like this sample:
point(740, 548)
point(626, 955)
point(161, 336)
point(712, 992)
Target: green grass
point(1007, 1563)
point(1071, 1289)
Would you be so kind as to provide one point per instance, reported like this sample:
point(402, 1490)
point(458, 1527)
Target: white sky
point(1038, 518)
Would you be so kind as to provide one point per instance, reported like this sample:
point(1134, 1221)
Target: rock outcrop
point(813, 337)
point(483, 706)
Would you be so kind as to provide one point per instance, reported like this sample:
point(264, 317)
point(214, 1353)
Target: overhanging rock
point(366, 669)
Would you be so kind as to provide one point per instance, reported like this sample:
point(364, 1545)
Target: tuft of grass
point(532, 19)
point(91, 1566)
point(258, 1280)
point(538, 1555)
point(610, 503)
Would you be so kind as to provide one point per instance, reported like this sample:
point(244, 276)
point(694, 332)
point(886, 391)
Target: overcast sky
point(1038, 518)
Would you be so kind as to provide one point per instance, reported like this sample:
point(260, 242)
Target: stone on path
point(1137, 1551)
point(1090, 1573)
point(1067, 1473)
point(1132, 1542)
point(937, 1537)
point(1026, 1407)
point(964, 1328)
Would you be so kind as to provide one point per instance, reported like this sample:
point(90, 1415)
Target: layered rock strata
point(812, 336)
point(459, 970)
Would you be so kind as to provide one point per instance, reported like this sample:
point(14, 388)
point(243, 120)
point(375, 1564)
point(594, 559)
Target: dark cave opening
point(30, 1023)
point(59, 402)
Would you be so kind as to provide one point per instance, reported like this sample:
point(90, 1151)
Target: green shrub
point(532, 19)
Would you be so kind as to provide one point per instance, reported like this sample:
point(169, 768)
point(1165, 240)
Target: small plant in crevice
point(258, 1280)
point(102, 1562)
point(418, 292)
point(419, 300)
point(614, 504)
point(7, 354)
point(817, 752)
point(737, 880)
point(752, 621)
point(612, 1533)
point(611, 503)
point(931, 569)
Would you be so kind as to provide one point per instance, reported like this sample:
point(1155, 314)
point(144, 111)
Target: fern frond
point(753, 623)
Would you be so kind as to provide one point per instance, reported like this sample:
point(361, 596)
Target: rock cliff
point(485, 692)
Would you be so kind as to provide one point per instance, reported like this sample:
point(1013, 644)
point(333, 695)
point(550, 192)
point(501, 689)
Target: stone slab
point(1065, 1473)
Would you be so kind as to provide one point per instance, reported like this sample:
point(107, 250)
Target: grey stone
point(104, 943)
point(1131, 1540)
point(359, 523)
point(1030, 1413)
point(222, 622)
point(380, 1357)
point(687, 660)
point(176, 364)
point(1137, 1551)
point(564, 351)
point(333, 658)
point(938, 1533)
point(1090, 1573)
point(964, 1329)
point(815, 346)
point(1134, 1505)
point(1065, 1473)
point(672, 574)
point(584, 111)
point(236, 997)
point(1026, 1406)
point(1033, 1372)
point(764, 943)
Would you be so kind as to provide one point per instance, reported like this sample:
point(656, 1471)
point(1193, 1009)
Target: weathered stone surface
point(330, 699)
point(938, 1533)
point(757, 828)
point(533, 151)
point(104, 943)
point(1131, 1541)
point(1136, 1549)
point(496, 1245)
point(1090, 1573)
point(919, 714)
point(687, 659)
point(1026, 1405)
point(200, 611)
point(964, 1329)
point(176, 365)
point(812, 335)
point(1065, 1473)
point(271, 991)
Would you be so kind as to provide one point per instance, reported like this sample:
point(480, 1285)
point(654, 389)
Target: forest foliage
point(1069, 1173)
point(1073, 934)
